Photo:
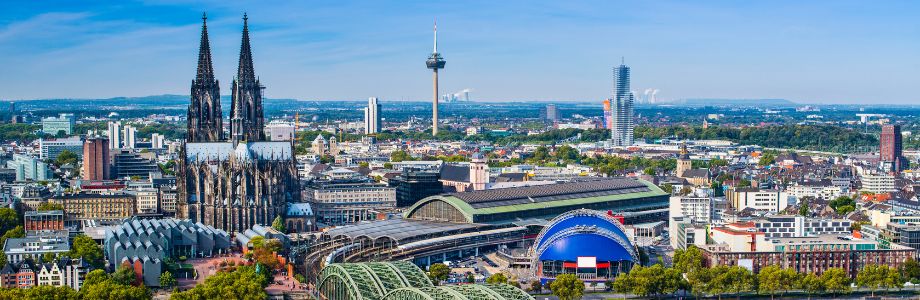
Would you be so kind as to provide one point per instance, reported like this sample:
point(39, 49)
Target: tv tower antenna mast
point(435, 62)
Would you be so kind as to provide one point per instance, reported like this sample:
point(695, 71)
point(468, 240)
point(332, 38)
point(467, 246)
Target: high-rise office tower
point(552, 114)
point(890, 154)
point(96, 164)
point(205, 122)
point(371, 116)
point(114, 135)
point(621, 131)
point(435, 62)
point(130, 136)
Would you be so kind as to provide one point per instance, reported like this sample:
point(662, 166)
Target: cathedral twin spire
point(205, 119)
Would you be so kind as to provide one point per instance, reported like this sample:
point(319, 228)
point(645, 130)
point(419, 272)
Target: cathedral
point(235, 182)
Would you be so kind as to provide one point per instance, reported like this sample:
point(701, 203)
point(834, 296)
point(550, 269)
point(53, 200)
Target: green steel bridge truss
point(402, 280)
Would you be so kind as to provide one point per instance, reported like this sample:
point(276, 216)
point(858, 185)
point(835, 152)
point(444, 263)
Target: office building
point(799, 226)
point(551, 113)
point(29, 168)
point(697, 206)
point(890, 149)
point(340, 202)
point(55, 125)
point(128, 164)
point(130, 137)
point(372, 116)
point(96, 159)
point(414, 185)
point(760, 200)
point(148, 201)
point(877, 183)
point(621, 131)
point(114, 133)
point(157, 141)
point(50, 149)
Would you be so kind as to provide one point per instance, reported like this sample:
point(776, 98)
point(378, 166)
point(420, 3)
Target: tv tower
point(435, 62)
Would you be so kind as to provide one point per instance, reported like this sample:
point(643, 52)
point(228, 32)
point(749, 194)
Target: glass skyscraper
point(621, 131)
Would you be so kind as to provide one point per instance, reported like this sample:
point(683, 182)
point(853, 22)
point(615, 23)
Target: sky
point(846, 52)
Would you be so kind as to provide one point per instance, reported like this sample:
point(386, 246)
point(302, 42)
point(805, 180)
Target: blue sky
point(808, 51)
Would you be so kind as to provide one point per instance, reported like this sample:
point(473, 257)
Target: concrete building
point(551, 113)
point(761, 201)
point(157, 141)
point(279, 131)
point(372, 116)
point(823, 189)
point(55, 125)
point(799, 226)
point(696, 206)
point(877, 183)
point(143, 244)
point(29, 168)
point(18, 275)
point(115, 134)
point(130, 137)
point(96, 159)
point(50, 149)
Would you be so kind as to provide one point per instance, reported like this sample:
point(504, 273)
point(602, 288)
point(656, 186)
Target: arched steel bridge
point(401, 281)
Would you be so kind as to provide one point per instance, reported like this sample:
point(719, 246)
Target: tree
point(734, 279)
point(124, 275)
point(646, 281)
point(278, 224)
point(8, 219)
point(66, 157)
point(99, 285)
point(771, 279)
point(400, 155)
point(265, 257)
point(167, 280)
point(536, 286)
point(803, 207)
point(567, 287)
point(874, 277)
point(243, 282)
point(811, 284)
point(836, 280)
point(47, 206)
point(699, 281)
point(767, 159)
point(16, 232)
point(438, 272)
point(910, 270)
point(497, 278)
point(84, 247)
point(689, 260)
point(257, 242)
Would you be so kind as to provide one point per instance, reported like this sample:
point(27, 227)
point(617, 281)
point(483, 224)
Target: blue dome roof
point(584, 233)
point(586, 219)
point(586, 244)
